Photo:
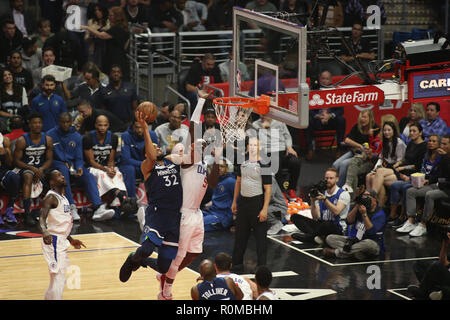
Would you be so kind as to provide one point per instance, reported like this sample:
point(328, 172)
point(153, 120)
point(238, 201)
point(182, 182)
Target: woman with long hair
point(13, 96)
point(359, 135)
point(412, 163)
point(393, 151)
point(99, 22)
point(117, 39)
point(415, 113)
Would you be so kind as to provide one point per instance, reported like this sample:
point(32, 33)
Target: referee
point(253, 187)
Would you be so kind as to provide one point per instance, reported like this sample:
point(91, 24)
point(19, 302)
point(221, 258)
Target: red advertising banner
point(349, 96)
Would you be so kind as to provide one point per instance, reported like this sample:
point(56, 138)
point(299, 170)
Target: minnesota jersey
point(217, 289)
point(163, 186)
point(101, 150)
point(59, 219)
point(195, 183)
point(241, 283)
point(34, 154)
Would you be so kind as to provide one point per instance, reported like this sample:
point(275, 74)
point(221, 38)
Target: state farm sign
point(345, 97)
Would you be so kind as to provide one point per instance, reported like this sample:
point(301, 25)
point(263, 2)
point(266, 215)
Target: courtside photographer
point(365, 238)
point(329, 208)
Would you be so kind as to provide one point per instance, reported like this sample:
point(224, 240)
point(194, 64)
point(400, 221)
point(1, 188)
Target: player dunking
point(162, 216)
point(195, 180)
point(56, 222)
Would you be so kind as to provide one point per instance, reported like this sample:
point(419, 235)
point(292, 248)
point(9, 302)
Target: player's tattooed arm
point(49, 203)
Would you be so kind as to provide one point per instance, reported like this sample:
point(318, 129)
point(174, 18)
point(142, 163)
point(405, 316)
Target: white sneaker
point(407, 227)
point(274, 229)
point(74, 211)
point(347, 188)
point(419, 230)
point(102, 214)
point(141, 217)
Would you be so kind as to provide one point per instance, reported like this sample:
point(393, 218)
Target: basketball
point(149, 110)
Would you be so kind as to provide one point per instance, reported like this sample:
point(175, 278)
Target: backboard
point(273, 52)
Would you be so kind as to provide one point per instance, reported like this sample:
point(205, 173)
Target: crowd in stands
point(85, 127)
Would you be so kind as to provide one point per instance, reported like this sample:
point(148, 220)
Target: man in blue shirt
point(433, 124)
point(132, 155)
point(68, 159)
point(365, 238)
point(48, 103)
point(120, 97)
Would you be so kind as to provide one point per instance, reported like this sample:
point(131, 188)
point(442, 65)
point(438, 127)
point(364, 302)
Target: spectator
point(325, 119)
point(194, 14)
point(9, 180)
point(172, 132)
point(67, 50)
point(21, 75)
point(300, 7)
point(436, 167)
point(53, 11)
point(97, 46)
point(99, 148)
point(253, 188)
point(357, 10)
point(210, 127)
point(33, 155)
point(224, 68)
point(164, 17)
point(10, 39)
point(434, 276)
point(24, 20)
point(120, 96)
point(76, 34)
point(89, 115)
point(213, 287)
point(365, 237)
point(116, 37)
point(360, 47)
point(201, 74)
point(163, 115)
point(91, 89)
point(261, 6)
point(393, 151)
point(13, 97)
point(358, 135)
point(433, 124)
point(335, 14)
point(16, 125)
point(68, 159)
point(135, 12)
point(132, 155)
point(412, 163)
point(220, 15)
point(48, 103)
point(263, 279)
point(219, 216)
point(415, 114)
point(222, 264)
point(280, 151)
point(328, 212)
point(277, 211)
point(48, 58)
point(31, 56)
point(44, 32)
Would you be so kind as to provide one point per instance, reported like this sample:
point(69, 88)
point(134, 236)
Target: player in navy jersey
point(214, 288)
point(99, 147)
point(162, 217)
point(32, 157)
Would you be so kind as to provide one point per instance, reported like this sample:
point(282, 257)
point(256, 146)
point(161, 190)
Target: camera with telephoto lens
point(317, 188)
point(364, 200)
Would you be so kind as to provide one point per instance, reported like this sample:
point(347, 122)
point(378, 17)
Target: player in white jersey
point(263, 278)
point(195, 180)
point(56, 222)
point(222, 263)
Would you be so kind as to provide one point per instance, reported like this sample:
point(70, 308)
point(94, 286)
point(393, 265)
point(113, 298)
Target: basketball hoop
point(233, 113)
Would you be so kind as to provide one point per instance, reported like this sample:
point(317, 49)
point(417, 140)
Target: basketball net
point(233, 113)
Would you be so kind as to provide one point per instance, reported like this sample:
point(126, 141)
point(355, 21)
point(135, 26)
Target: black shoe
point(29, 220)
point(129, 206)
point(303, 237)
point(127, 268)
point(416, 292)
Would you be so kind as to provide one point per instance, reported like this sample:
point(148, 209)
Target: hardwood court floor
point(93, 275)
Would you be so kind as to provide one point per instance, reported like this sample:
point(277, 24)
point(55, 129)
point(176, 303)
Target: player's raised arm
point(150, 150)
